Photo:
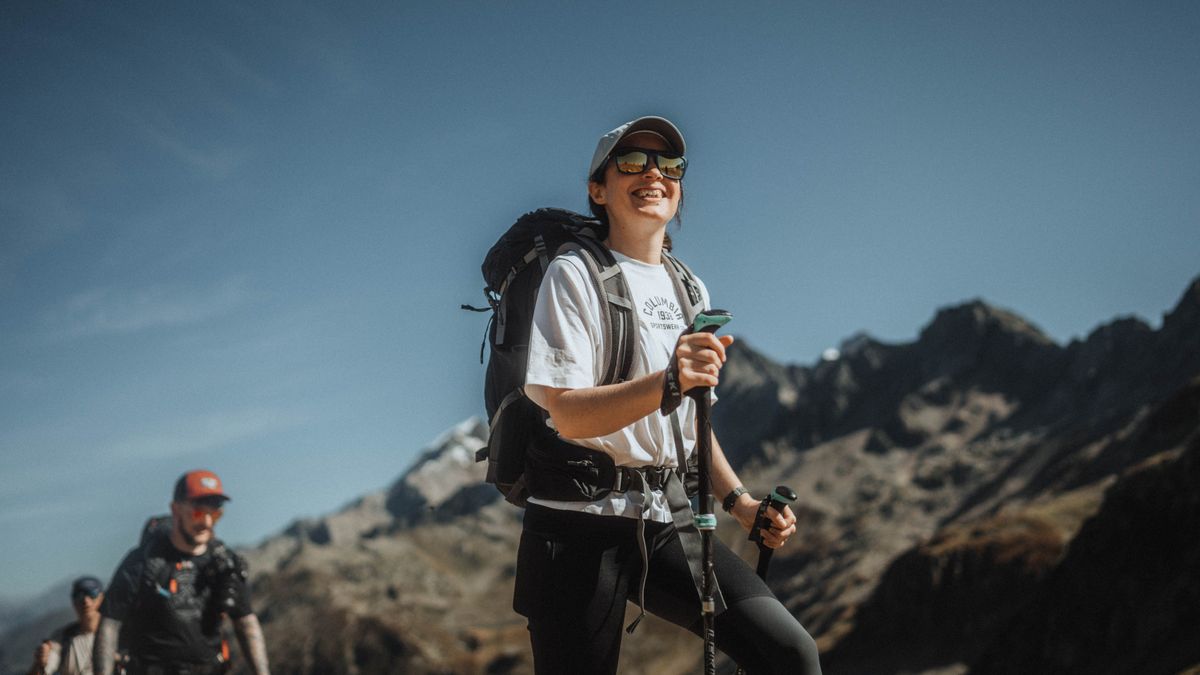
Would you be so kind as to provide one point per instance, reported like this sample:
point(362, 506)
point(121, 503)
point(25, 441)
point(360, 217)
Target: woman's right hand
point(699, 357)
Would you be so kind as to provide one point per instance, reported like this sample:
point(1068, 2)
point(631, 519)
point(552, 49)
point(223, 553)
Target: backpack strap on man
point(155, 573)
point(226, 573)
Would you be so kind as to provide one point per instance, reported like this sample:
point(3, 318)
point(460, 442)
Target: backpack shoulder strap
point(687, 287)
point(687, 290)
point(616, 307)
point(154, 572)
point(67, 635)
point(225, 560)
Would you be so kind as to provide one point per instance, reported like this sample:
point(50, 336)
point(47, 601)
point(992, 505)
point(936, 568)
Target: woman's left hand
point(783, 525)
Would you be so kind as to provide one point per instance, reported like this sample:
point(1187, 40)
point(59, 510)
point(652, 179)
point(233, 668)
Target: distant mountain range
point(23, 625)
point(979, 500)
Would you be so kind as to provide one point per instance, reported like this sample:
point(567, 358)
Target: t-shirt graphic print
point(663, 314)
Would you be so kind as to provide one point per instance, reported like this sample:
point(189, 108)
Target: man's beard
point(187, 537)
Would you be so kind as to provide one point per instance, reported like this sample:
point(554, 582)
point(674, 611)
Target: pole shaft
point(704, 447)
point(708, 321)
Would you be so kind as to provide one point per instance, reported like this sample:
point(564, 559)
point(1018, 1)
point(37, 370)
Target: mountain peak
point(1187, 311)
point(442, 470)
point(975, 319)
point(857, 342)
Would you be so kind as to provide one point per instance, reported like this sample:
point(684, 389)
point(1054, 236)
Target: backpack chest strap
point(652, 477)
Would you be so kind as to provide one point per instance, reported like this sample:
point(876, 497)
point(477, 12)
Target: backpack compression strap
point(500, 316)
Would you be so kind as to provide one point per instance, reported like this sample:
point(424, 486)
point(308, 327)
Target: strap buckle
point(654, 477)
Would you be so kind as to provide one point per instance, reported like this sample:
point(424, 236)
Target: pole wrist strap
point(672, 394)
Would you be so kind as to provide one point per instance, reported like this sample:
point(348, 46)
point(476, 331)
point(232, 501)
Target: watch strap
point(732, 497)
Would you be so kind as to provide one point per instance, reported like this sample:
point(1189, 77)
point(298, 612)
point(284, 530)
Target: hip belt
point(137, 667)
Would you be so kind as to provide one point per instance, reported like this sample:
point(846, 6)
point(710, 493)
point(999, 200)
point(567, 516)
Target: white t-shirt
point(566, 348)
point(78, 653)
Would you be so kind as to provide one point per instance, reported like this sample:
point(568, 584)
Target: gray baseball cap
point(658, 125)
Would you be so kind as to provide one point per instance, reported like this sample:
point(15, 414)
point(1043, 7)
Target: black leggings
point(575, 572)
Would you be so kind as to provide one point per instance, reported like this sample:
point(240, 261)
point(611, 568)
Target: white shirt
point(566, 347)
point(79, 651)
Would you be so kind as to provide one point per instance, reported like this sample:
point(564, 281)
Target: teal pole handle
point(710, 320)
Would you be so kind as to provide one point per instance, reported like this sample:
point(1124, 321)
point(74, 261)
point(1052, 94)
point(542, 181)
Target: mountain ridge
point(948, 485)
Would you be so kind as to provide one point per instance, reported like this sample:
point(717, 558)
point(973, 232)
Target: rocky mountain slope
point(947, 488)
point(981, 499)
point(943, 481)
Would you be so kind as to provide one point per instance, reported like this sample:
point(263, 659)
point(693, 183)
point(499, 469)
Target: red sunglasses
point(201, 510)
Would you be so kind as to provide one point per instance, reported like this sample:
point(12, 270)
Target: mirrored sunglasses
point(637, 160)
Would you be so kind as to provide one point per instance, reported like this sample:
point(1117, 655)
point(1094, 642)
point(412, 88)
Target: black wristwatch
point(732, 497)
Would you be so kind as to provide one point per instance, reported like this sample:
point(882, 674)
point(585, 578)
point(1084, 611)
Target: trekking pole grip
point(779, 498)
point(708, 321)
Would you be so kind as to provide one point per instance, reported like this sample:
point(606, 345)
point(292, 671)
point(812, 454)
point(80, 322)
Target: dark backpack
point(223, 569)
point(221, 574)
point(525, 457)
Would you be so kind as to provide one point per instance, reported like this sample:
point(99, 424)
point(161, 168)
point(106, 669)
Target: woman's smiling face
point(646, 197)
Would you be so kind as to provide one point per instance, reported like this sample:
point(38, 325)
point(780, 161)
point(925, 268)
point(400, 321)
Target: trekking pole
point(706, 521)
point(779, 498)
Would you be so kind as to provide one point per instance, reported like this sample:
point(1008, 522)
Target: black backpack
point(224, 571)
point(525, 457)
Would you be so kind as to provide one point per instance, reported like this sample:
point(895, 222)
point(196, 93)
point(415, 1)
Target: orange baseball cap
point(198, 484)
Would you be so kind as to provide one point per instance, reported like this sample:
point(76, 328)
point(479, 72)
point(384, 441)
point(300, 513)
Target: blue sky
point(236, 235)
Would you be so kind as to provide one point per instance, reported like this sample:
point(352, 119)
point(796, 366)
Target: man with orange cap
point(170, 593)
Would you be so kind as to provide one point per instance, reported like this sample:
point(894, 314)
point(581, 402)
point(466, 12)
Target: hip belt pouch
point(559, 470)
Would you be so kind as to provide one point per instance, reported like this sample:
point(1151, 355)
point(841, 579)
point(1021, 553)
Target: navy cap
point(89, 586)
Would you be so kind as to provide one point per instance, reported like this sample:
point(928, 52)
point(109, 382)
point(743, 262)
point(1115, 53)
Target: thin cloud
point(118, 311)
point(204, 433)
point(168, 133)
point(216, 162)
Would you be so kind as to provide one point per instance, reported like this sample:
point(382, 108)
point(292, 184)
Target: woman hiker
point(580, 561)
